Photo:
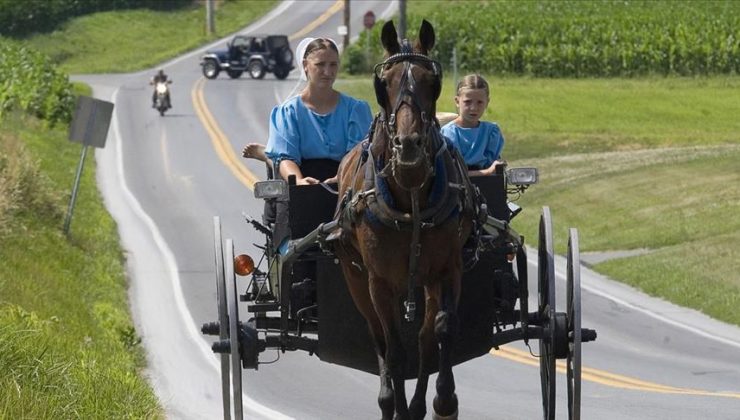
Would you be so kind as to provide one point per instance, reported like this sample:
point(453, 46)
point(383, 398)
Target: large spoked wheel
point(223, 314)
point(546, 311)
point(232, 299)
point(573, 292)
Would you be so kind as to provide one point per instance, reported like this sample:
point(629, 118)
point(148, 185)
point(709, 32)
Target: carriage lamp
point(522, 176)
point(243, 265)
point(274, 188)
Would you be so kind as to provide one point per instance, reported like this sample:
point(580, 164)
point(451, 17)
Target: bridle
point(407, 95)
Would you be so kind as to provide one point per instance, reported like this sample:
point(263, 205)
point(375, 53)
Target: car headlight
point(522, 176)
point(274, 188)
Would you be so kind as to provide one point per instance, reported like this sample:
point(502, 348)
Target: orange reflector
point(510, 257)
point(243, 265)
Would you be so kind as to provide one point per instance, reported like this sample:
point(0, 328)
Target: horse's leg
point(446, 330)
point(386, 307)
point(427, 353)
point(357, 284)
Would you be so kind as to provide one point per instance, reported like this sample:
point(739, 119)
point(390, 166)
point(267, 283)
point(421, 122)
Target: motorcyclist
point(160, 77)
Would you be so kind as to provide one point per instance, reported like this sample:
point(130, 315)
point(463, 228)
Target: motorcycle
point(161, 99)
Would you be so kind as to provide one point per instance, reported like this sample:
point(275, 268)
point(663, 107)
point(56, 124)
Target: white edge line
point(595, 290)
point(171, 264)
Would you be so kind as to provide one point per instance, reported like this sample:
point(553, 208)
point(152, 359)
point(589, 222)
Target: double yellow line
point(607, 378)
point(221, 143)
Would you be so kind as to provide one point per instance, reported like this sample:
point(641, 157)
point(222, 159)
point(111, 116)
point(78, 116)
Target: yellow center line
point(607, 378)
point(221, 143)
point(339, 5)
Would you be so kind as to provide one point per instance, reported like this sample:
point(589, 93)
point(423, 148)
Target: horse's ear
point(389, 38)
point(426, 37)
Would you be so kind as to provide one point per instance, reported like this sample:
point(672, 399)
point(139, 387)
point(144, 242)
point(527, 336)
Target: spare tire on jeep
point(284, 56)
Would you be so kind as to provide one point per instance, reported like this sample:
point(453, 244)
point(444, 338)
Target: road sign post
point(90, 127)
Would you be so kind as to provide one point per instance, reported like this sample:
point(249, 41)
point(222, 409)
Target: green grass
point(124, 41)
point(67, 346)
point(632, 163)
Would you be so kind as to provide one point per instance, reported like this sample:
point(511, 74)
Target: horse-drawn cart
point(297, 299)
point(410, 254)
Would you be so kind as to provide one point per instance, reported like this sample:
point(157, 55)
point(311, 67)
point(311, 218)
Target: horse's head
point(407, 85)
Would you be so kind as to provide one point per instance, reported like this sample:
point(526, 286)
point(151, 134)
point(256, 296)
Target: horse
point(405, 210)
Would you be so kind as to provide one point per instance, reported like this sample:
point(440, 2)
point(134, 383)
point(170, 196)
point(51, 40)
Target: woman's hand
point(306, 181)
point(332, 180)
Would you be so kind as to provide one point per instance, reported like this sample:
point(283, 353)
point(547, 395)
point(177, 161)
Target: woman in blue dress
point(479, 142)
point(312, 131)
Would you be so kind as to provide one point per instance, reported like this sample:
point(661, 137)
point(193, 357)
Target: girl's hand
point(332, 180)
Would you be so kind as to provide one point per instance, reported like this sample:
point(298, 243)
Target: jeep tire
point(256, 69)
point(281, 73)
point(210, 69)
point(234, 74)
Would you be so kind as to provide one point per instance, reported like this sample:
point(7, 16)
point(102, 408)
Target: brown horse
point(405, 212)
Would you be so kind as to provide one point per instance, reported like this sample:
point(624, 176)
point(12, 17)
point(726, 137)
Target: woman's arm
point(288, 168)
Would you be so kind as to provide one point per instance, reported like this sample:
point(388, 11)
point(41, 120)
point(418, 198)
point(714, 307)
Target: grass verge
point(68, 348)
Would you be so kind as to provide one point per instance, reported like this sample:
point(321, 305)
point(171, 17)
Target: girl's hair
point(320, 44)
point(473, 81)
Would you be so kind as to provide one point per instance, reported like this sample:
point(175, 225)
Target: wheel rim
point(255, 71)
point(223, 317)
point(573, 363)
point(210, 69)
point(233, 300)
point(546, 296)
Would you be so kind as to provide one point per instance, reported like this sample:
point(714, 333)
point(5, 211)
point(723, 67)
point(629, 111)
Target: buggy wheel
point(223, 314)
point(232, 298)
point(573, 292)
point(546, 313)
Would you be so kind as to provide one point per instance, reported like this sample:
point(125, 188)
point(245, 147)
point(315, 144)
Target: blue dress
point(298, 133)
point(479, 146)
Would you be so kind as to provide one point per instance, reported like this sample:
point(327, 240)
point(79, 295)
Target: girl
point(479, 142)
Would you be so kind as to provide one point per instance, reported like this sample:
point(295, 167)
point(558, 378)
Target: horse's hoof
point(452, 416)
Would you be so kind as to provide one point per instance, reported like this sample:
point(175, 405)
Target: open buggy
point(301, 294)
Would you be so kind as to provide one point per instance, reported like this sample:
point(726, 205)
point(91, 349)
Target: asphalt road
point(163, 180)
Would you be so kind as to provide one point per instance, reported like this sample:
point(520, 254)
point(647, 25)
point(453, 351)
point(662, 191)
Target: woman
point(312, 131)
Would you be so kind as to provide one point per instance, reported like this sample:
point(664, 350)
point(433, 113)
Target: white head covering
point(300, 51)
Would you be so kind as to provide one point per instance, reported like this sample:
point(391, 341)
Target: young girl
point(480, 142)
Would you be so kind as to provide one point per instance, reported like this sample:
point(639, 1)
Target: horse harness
point(451, 194)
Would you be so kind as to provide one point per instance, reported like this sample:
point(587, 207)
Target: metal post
point(75, 187)
point(210, 27)
point(402, 19)
point(345, 41)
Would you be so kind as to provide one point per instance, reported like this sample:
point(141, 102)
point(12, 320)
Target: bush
point(30, 82)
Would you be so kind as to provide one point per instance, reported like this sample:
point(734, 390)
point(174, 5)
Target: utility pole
point(345, 41)
point(402, 19)
point(210, 27)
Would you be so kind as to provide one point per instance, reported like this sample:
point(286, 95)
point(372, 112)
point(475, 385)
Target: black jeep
point(254, 54)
